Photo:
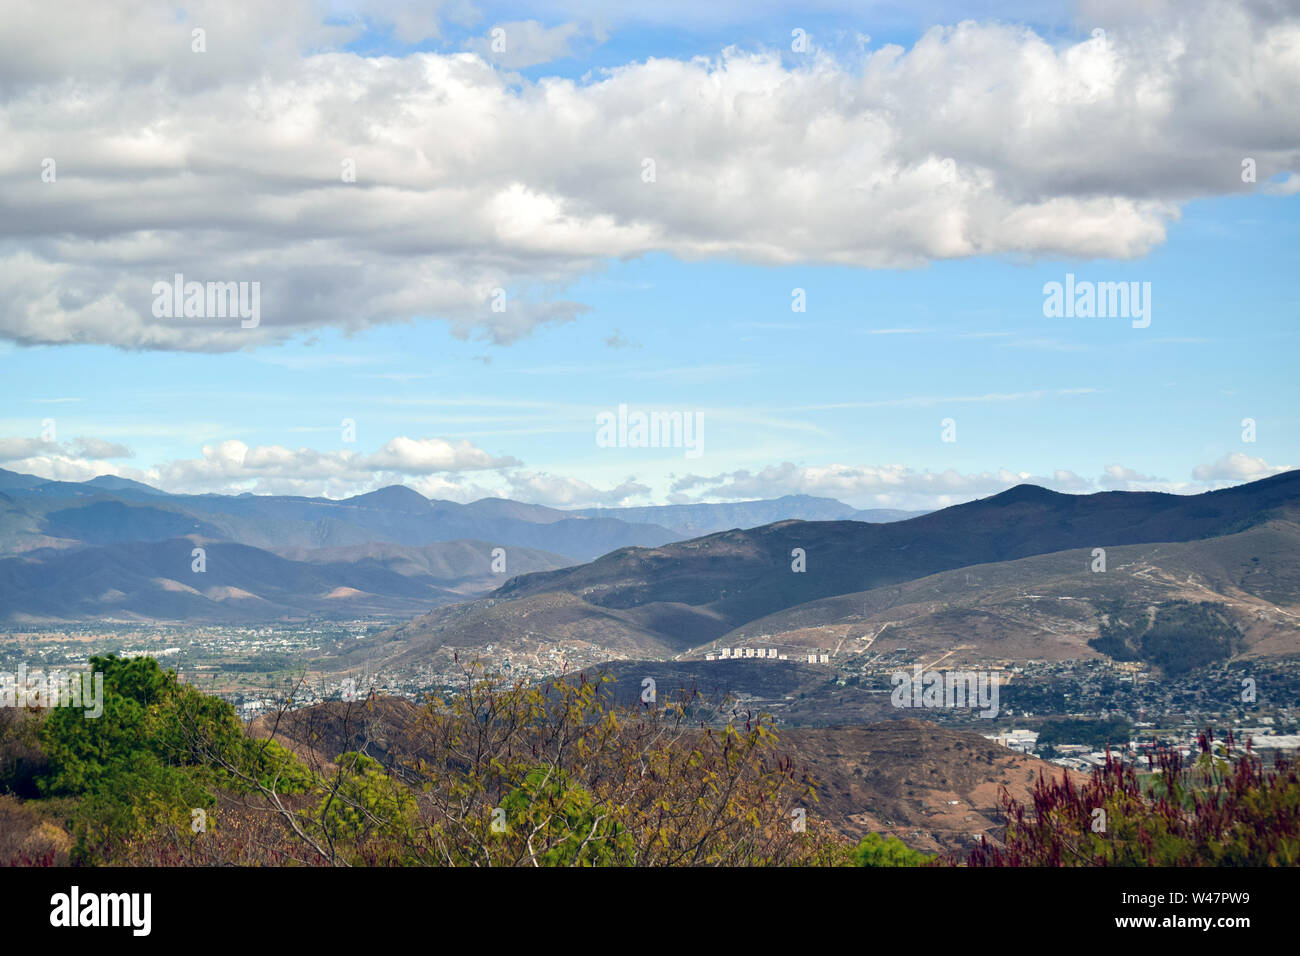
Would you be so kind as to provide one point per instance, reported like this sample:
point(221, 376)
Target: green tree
point(151, 756)
point(364, 801)
point(875, 850)
point(561, 823)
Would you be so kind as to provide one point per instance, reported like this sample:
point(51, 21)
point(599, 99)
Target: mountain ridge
point(720, 584)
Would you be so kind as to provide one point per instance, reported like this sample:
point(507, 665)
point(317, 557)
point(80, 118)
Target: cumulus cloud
point(233, 466)
point(435, 467)
point(16, 449)
point(471, 182)
point(135, 42)
point(1236, 466)
point(454, 472)
point(880, 486)
point(1287, 186)
point(463, 472)
point(20, 449)
point(1119, 478)
point(523, 43)
point(98, 448)
point(898, 486)
point(223, 464)
point(543, 489)
point(537, 488)
point(427, 455)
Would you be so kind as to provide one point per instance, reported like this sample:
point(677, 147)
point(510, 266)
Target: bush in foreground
point(1216, 812)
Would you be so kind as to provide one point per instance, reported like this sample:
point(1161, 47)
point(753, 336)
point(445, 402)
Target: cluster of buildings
point(1023, 741)
point(1185, 741)
point(766, 653)
point(735, 653)
point(1263, 738)
point(165, 652)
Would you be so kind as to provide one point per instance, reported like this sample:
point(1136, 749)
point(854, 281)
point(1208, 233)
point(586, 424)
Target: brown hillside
point(936, 789)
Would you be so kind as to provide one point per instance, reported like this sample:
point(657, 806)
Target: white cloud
point(138, 42)
point(225, 166)
point(425, 456)
point(877, 485)
point(1288, 186)
point(435, 467)
point(543, 489)
point(233, 461)
point(59, 467)
point(20, 449)
point(1119, 478)
point(15, 449)
point(898, 486)
point(98, 448)
point(1236, 466)
point(232, 466)
point(526, 43)
point(461, 471)
point(447, 488)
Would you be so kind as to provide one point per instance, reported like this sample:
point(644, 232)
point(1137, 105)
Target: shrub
point(875, 850)
point(1213, 813)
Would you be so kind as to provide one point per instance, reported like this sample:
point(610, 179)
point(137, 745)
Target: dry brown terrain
point(935, 788)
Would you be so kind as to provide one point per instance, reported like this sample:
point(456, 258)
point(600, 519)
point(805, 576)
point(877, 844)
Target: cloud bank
point(359, 190)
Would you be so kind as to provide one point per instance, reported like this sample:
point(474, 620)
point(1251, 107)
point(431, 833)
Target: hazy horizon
point(901, 258)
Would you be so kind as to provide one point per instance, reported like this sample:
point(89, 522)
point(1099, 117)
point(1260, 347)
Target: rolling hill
point(113, 549)
point(1010, 575)
point(1051, 606)
point(141, 581)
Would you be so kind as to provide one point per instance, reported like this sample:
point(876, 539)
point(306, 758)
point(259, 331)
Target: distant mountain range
point(116, 549)
point(40, 513)
point(156, 581)
point(694, 520)
point(1009, 576)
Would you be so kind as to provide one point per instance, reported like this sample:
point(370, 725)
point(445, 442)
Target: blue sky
point(693, 313)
